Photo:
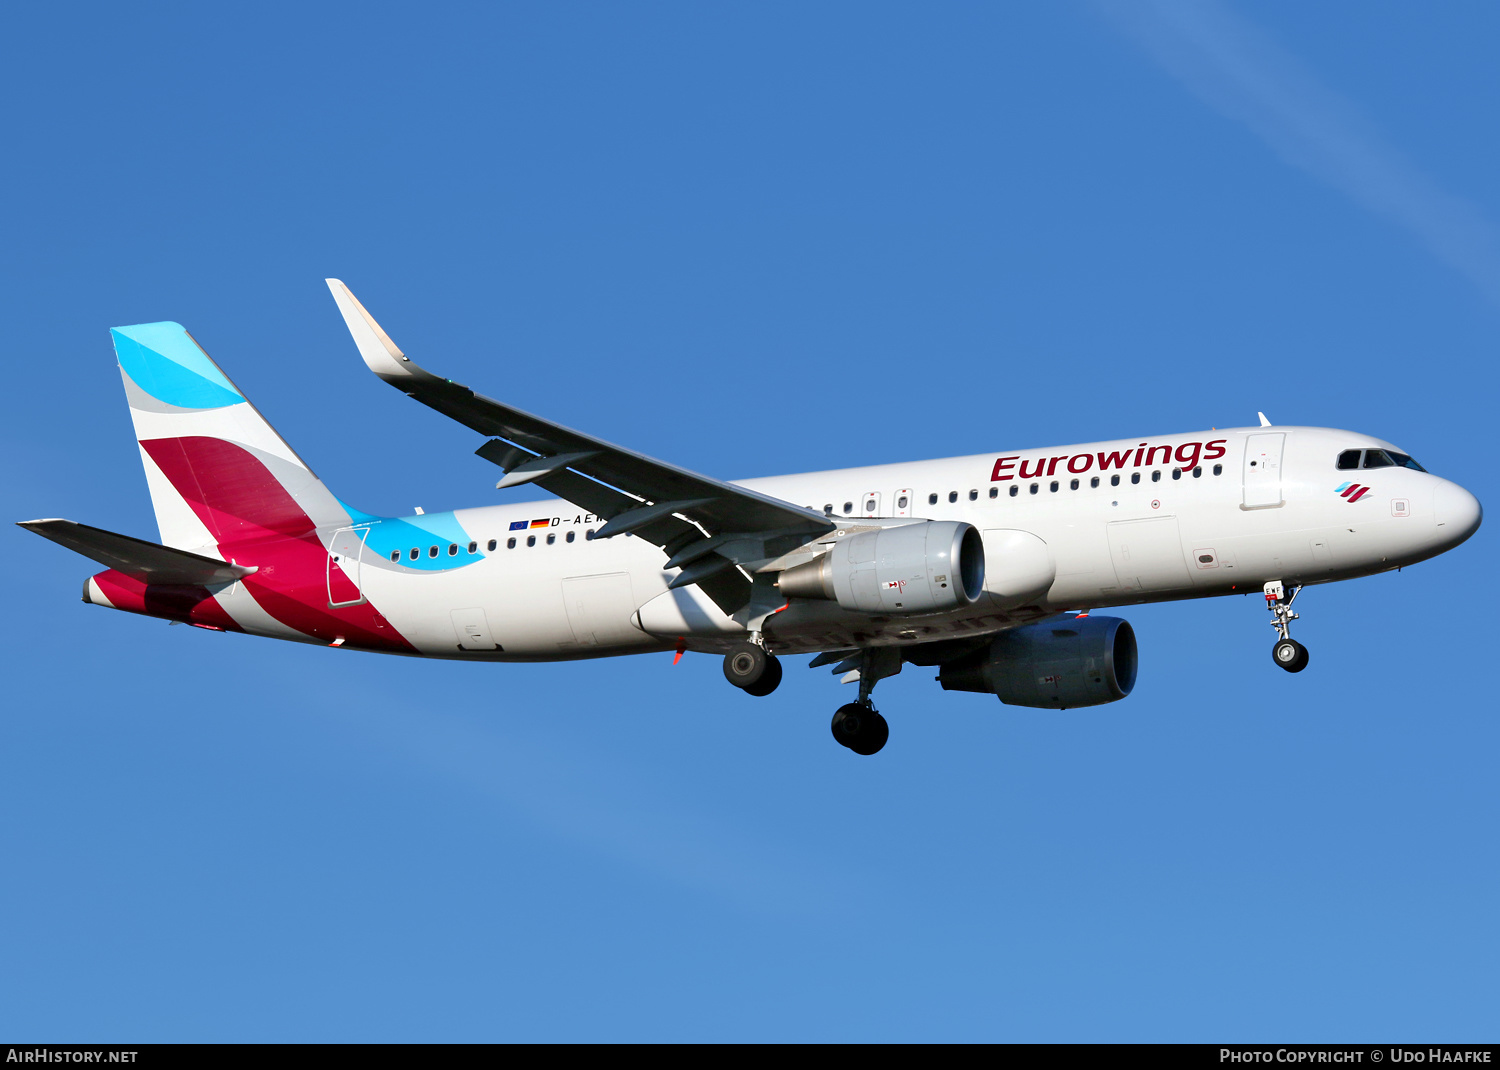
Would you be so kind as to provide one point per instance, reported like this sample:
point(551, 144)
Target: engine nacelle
point(1054, 665)
point(927, 566)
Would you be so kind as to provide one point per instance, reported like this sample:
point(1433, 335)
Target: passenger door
point(343, 566)
point(1263, 470)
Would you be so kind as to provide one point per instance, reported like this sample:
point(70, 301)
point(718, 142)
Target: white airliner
point(985, 567)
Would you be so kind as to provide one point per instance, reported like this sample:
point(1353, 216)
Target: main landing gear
point(857, 726)
point(1287, 653)
point(753, 669)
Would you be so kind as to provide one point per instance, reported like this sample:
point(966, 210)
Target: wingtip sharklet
point(381, 355)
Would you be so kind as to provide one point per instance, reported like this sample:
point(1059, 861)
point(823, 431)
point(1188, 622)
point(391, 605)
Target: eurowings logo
point(1351, 491)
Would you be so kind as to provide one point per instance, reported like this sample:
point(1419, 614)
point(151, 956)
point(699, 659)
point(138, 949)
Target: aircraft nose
point(1457, 513)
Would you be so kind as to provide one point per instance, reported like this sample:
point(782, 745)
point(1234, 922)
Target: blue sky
point(750, 241)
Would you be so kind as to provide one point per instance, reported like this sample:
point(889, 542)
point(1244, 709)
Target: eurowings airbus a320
point(985, 567)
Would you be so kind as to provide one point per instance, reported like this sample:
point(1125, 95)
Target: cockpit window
point(1377, 459)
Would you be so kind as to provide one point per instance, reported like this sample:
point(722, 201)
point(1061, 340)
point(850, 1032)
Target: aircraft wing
point(704, 524)
point(148, 562)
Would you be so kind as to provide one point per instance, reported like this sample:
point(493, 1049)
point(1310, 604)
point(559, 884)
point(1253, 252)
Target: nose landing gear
point(1287, 653)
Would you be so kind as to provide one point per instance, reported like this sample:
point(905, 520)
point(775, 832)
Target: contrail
point(1239, 70)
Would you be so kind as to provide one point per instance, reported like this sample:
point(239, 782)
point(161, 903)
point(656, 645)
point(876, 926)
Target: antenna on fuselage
point(1263, 421)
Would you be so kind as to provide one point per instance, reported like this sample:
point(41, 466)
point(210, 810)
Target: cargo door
point(1147, 554)
point(1263, 470)
point(599, 609)
point(473, 629)
point(343, 566)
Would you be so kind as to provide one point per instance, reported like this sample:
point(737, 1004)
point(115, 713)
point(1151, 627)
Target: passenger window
point(1156, 476)
point(415, 553)
point(1135, 477)
point(973, 495)
point(1053, 487)
point(848, 508)
point(395, 555)
point(453, 549)
point(1177, 473)
point(994, 492)
point(932, 499)
point(1034, 488)
point(1114, 481)
point(588, 535)
point(432, 551)
point(1349, 460)
point(952, 496)
point(1073, 484)
point(1014, 490)
point(531, 540)
point(492, 545)
point(1218, 469)
point(473, 547)
point(828, 509)
point(571, 534)
point(1377, 459)
point(551, 538)
point(1197, 471)
point(1094, 482)
point(510, 543)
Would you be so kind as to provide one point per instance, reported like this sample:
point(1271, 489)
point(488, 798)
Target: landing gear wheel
point(860, 728)
point(745, 665)
point(1290, 655)
point(769, 680)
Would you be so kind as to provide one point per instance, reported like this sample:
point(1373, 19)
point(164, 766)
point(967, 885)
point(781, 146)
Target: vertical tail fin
point(219, 474)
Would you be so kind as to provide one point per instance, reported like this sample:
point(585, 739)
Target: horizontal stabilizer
point(148, 562)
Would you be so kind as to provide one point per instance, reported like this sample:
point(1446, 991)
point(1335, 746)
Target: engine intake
point(922, 567)
point(1054, 665)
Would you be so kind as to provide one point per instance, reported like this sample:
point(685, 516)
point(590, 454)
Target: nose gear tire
point(860, 728)
point(1290, 655)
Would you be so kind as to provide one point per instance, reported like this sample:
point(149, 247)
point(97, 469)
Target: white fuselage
point(1154, 531)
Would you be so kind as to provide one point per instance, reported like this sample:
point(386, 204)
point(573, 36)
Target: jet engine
point(1070, 661)
point(927, 566)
